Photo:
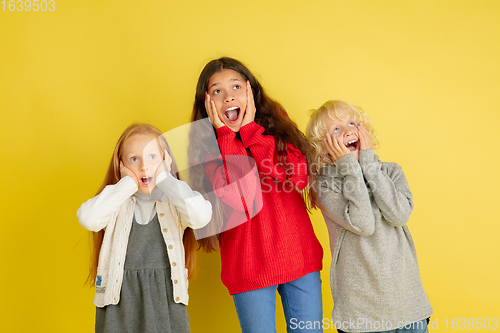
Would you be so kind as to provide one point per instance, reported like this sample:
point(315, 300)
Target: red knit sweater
point(278, 244)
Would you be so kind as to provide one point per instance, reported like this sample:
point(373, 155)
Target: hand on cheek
point(364, 138)
point(165, 165)
point(335, 147)
point(124, 171)
point(212, 112)
point(250, 106)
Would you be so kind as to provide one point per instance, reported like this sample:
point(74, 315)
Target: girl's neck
point(155, 195)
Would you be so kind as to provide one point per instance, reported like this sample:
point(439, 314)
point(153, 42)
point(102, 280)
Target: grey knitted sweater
point(374, 275)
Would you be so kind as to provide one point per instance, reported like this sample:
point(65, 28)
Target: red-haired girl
point(144, 247)
point(275, 249)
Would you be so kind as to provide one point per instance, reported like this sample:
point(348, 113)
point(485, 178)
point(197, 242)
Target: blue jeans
point(416, 327)
point(302, 305)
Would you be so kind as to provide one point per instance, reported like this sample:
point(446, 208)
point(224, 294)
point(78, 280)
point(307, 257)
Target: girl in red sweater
point(275, 249)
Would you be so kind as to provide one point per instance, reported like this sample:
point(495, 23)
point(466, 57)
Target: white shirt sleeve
point(95, 213)
point(195, 211)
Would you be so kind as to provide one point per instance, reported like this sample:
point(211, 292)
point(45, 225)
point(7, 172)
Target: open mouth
point(232, 114)
point(352, 145)
point(146, 180)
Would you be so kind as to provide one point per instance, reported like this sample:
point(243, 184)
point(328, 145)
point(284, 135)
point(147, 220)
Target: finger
point(168, 161)
point(211, 110)
point(208, 106)
point(365, 131)
point(328, 144)
point(249, 115)
point(214, 109)
point(361, 134)
point(217, 121)
point(365, 142)
point(361, 131)
point(336, 144)
point(336, 150)
point(162, 164)
point(329, 150)
point(250, 100)
point(343, 149)
point(361, 138)
point(366, 138)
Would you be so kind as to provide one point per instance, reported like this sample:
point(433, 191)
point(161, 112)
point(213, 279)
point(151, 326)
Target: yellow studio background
point(72, 79)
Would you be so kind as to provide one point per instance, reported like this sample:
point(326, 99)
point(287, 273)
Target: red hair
point(113, 177)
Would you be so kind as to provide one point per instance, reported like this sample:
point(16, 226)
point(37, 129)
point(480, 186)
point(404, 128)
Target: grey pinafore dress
point(146, 300)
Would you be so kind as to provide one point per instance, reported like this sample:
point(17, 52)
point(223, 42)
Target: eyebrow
point(230, 80)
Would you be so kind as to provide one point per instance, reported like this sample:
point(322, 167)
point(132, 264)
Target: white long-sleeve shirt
point(113, 210)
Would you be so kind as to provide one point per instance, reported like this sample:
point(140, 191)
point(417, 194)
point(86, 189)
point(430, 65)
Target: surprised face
point(345, 128)
point(227, 88)
point(142, 156)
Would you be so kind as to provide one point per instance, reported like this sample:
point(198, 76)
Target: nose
point(348, 131)
point(228, 98)
point(144, 167)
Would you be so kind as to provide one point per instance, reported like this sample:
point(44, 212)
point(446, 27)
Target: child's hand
point(364, 138)
point(165, 165)
point(124, 171)
point(250, 107)
point(212, 112)
point(335, 147)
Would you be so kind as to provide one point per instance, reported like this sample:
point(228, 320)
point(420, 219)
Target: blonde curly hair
point(317, 128)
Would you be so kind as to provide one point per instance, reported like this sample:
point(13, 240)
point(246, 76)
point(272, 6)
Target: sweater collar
point(153, 196)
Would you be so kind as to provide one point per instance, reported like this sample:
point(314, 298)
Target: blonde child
point(144, 247)
point(366, 204)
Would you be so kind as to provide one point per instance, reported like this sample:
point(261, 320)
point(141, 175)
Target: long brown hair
point(113, 177)
point(269, 114)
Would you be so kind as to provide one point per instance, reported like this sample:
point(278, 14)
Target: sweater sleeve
point(235, 180)
point(95, 214)
point(389, 188)
point(263, 151)
point(344, 197)
point(195, 211)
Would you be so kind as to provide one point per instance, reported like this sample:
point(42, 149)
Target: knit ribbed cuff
point(247, 132)
point(125, 188)
point(348, 165)
point(366, 156)
point(161, 177)
point(167, 183)
point(223, 131)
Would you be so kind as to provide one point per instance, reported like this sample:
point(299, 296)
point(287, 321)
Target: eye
point(336, 130)
point(133, 159)
point(152, 157)
point(216, 92)
point(352, 124)
point(236, 87)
